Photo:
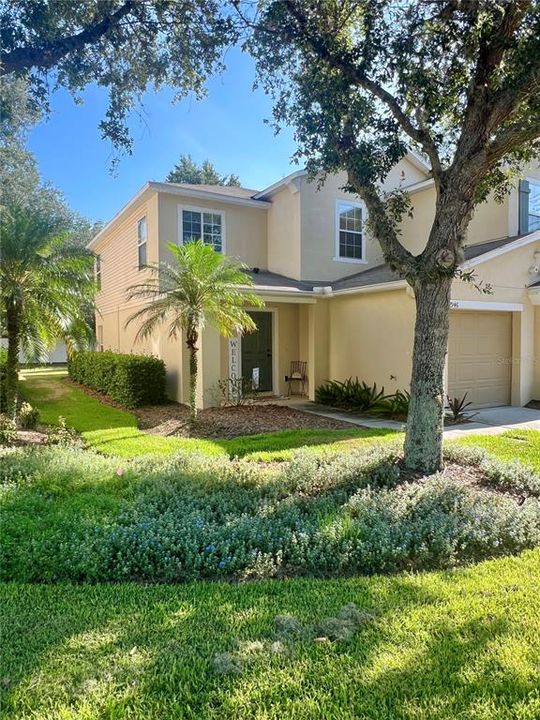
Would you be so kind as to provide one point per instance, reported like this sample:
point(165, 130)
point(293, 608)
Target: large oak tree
point(363, 80)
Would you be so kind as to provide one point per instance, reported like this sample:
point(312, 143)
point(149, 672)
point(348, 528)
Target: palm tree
point(200, 287)
point(46, 285)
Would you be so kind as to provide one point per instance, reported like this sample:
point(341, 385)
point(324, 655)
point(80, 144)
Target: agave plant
point(457, 407)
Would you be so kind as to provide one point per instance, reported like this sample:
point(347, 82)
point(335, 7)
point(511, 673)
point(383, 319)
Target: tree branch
point(50, 53)
point(395, 254)
point(509, 140)
point(353, 73)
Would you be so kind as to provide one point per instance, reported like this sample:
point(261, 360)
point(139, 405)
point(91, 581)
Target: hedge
point(131, 380)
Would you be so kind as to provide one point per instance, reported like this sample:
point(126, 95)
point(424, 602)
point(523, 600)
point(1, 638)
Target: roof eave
point(209, 195)
point(118, 215)
point(514, 245)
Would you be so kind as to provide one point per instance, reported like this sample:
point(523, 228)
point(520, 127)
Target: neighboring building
point(330, 300)
point(55, 356)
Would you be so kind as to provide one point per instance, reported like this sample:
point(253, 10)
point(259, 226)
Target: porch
point(293, 330)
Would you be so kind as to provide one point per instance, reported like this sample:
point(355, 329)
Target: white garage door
point(480, 357)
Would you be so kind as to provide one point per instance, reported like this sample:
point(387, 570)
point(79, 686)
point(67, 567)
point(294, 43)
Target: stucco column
point(209, 367)
point(318, 341)
point(523, 355)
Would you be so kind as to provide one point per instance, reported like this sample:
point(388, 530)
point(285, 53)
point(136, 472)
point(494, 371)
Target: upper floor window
point(141, 241)
point(97, 271)
point(205, 225)
point(350, 245)
point(529, 206)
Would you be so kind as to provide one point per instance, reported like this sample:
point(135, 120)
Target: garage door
point(480, 357)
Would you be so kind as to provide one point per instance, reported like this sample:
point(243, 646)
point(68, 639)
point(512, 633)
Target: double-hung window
point(205, 225)
point(141, 242)
point(529, 206)
point(350, 246)
point(97, 271)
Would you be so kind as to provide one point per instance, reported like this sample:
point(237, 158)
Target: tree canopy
point(186, 170)
point(126, 46)
point(361, 81)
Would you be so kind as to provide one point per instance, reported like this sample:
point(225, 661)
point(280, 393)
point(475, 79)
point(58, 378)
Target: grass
point(461, 644)
point(522, 445)
point(46, 389)
point(114, 432)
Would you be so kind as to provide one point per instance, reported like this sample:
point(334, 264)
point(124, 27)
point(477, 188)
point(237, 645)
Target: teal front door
point(257, 352)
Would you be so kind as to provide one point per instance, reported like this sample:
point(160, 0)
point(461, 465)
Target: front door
point(257, 352)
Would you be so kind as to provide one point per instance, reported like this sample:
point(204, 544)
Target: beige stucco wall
point(284, 233)
point(245, 227)
point(491, 220)
point(318, 224)
point(536, 362)
point(371, 336)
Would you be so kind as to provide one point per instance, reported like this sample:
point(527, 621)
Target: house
point(330, 299)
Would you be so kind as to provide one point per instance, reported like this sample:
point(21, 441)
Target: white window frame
point(193, 208)
point(140, 242)
point(533, 181)
point(97, 272)
point(337, 257)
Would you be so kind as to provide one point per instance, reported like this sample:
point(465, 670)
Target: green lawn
point(522, 445)
point(444, 645)
point(114, 432)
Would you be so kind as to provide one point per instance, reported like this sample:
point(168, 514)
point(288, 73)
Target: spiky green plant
point(199, 287)
point(46, 285)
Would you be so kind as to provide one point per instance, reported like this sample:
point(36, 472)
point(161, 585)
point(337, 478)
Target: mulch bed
point(229, 422)
point(221, 422)
point(533, 405)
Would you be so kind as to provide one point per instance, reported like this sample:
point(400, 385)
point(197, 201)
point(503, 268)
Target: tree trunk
point(13, 327)
point(425, 421)
point(191, 341)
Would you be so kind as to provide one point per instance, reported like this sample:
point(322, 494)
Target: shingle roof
point(265, 279)
point(374, 276)
point(378, 275)
point(474, 251)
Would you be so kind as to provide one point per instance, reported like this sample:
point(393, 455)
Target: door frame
point(275, 347)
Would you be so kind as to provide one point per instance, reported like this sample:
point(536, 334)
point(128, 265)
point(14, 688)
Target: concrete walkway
point(491, 421)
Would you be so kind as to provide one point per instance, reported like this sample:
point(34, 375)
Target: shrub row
point(132, 380)
point(358, 395)
point(191, 518)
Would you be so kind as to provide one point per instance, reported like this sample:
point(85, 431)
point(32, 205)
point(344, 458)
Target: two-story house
point(330, 299)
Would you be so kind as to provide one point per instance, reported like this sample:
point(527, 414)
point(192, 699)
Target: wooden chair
point(298, 373)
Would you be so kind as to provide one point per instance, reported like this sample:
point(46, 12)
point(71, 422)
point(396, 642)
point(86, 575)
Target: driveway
point(490, 421)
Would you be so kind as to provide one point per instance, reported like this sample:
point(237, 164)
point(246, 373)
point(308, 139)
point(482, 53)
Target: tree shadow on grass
point(441, 646)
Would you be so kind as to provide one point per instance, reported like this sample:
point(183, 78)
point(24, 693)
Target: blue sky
point(227, 127)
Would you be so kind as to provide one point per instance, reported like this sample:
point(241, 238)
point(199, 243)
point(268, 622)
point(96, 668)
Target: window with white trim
point(141, 242)
point(349, 236)
point(205, 225)
point(97, 271)
point(534, 206)
point(529, 206)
